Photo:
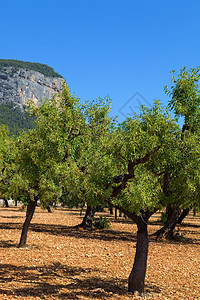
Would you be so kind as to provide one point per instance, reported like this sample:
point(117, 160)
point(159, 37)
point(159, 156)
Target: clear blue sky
point(112, 47)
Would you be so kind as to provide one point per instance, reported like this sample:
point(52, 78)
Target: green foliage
point(136, 138)
point(38, 165)
point(5, 160)
point(80, 149)
point(14, 118)
point(17, 64)
point(86, 150)
point(185, 94)
point(101, 223)
point(185, 102)
point(69, 199)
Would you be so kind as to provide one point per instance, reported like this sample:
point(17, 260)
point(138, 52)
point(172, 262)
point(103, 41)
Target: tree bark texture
point(29, 215)
point(167, 231)
point(184, 214)
point(88, 218)
point(137, 275)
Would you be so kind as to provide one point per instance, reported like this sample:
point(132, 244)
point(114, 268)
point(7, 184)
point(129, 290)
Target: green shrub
point(101, 223)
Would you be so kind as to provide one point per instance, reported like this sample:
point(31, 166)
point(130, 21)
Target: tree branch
point(5, 182)
point(124, 179)
point(147, 157)
point(132, 216)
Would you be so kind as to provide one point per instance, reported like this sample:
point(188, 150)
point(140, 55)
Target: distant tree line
point(17, 64)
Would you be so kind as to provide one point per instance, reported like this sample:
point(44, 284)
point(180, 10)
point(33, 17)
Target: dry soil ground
point(61, 262)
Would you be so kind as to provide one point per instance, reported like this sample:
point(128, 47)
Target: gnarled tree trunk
point(137, 275)
point(88, 218)
point(167, 231)
point(184, 214)
point(29, 215)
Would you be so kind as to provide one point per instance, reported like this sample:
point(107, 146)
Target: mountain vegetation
point(17, 64)
point(14, 118)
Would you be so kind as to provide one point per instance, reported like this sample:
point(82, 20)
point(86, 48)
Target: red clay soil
point(63, 262)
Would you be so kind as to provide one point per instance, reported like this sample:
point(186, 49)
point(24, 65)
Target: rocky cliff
point(21, 84)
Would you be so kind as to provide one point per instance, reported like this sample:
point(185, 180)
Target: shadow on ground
point(61, 230)
point(61, 281)
point(7, 244)
point(105, 235)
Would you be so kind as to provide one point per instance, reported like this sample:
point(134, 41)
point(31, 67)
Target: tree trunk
point(15, 202)
point(81, 211)
point(182, 216)
point(194, 211)
point(167, 231)
point(29, 215)
point(115, 214)
point(111, 210)
point(88, 218)
point(49, 209)
point(6, 203)
point(137, 275)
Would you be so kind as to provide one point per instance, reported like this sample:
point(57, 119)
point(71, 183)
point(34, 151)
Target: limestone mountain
point(22, 81)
